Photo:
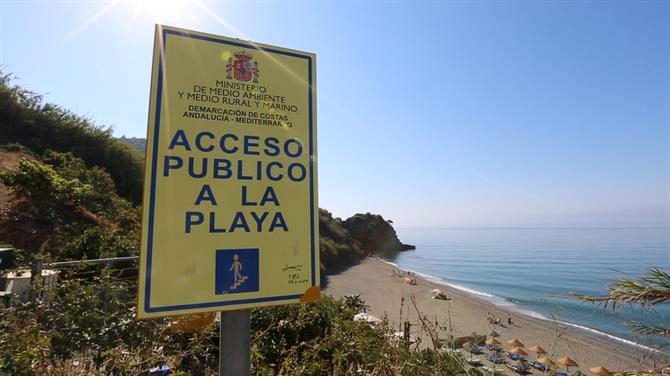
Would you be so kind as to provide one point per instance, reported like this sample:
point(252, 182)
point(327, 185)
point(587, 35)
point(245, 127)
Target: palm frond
point(652, 289)
point(650, 330)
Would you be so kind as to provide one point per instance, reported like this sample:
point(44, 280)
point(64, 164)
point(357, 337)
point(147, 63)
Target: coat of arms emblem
point(242, 68)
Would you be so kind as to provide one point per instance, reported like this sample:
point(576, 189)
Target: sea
point(539, 271)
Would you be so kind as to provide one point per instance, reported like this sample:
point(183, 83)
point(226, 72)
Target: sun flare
point(160, 10)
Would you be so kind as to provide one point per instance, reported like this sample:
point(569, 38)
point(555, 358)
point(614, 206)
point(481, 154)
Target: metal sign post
point(234, 343)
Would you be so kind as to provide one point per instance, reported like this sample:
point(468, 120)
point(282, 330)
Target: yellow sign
point(230, 201)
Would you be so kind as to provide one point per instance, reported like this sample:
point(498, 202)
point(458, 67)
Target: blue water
point(538, 270)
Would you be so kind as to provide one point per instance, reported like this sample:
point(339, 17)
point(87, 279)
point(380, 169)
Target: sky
point(459, 114)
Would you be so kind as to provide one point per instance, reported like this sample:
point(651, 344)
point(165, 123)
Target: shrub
point(25, 119)
point(68, 211)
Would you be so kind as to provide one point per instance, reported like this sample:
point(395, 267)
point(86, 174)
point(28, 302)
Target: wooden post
point(36, 279)
point(235, 343)
point(405, 334)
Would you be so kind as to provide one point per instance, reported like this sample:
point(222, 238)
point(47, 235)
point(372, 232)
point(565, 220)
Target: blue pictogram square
point(236, 271)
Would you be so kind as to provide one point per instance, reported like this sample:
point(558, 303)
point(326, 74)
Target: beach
point(383, 291)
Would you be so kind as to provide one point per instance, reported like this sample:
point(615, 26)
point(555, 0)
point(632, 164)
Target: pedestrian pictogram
point(236, 271)
point(238, 277)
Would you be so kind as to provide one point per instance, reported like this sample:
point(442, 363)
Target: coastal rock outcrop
point(344, 243)
point(375, 234)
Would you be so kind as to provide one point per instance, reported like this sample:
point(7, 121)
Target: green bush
point(26, 120)
point(337, 247)
point(87, 326)
point(68, 211)
point(78, 320)
point(321, 338)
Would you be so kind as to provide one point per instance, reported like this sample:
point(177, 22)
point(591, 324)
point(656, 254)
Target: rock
point(375, 234)
point(345, 243)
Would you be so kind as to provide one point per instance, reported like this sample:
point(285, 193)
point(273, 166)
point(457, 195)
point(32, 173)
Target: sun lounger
point(472, 348)
point(455, 352)
point(541, 366)
point(495, 359)
point(518, 368)
point(514, 356)
point(492, 370)
point(560, 374)
point(495, 348)
point(473, 361)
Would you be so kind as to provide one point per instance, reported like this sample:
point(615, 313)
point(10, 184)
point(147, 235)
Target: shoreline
point(625, 344)
point(373, 280)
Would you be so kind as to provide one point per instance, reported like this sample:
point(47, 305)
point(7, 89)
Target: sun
point(160, 10)
point(152, 11)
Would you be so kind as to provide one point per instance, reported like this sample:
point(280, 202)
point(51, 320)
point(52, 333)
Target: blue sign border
point(159, 92)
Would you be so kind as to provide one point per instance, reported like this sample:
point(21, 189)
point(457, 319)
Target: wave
point(503, 302)
point(491, 298)
point(589, 331)
point(596, 332)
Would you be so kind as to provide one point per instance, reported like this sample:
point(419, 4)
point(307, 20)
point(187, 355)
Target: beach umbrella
point(494, 334)
point(547, 362)
point(537, 349)
point(600, 371)
point(518, 351)
point(567, 362)
point(515, 342)
point(493, 341)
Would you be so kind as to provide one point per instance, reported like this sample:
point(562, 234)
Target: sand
point(373, 279)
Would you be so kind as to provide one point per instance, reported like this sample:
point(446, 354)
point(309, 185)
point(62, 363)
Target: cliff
point(375, 234)
point(344, 243)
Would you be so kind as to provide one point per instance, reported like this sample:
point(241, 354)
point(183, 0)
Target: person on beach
point(509, 319)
